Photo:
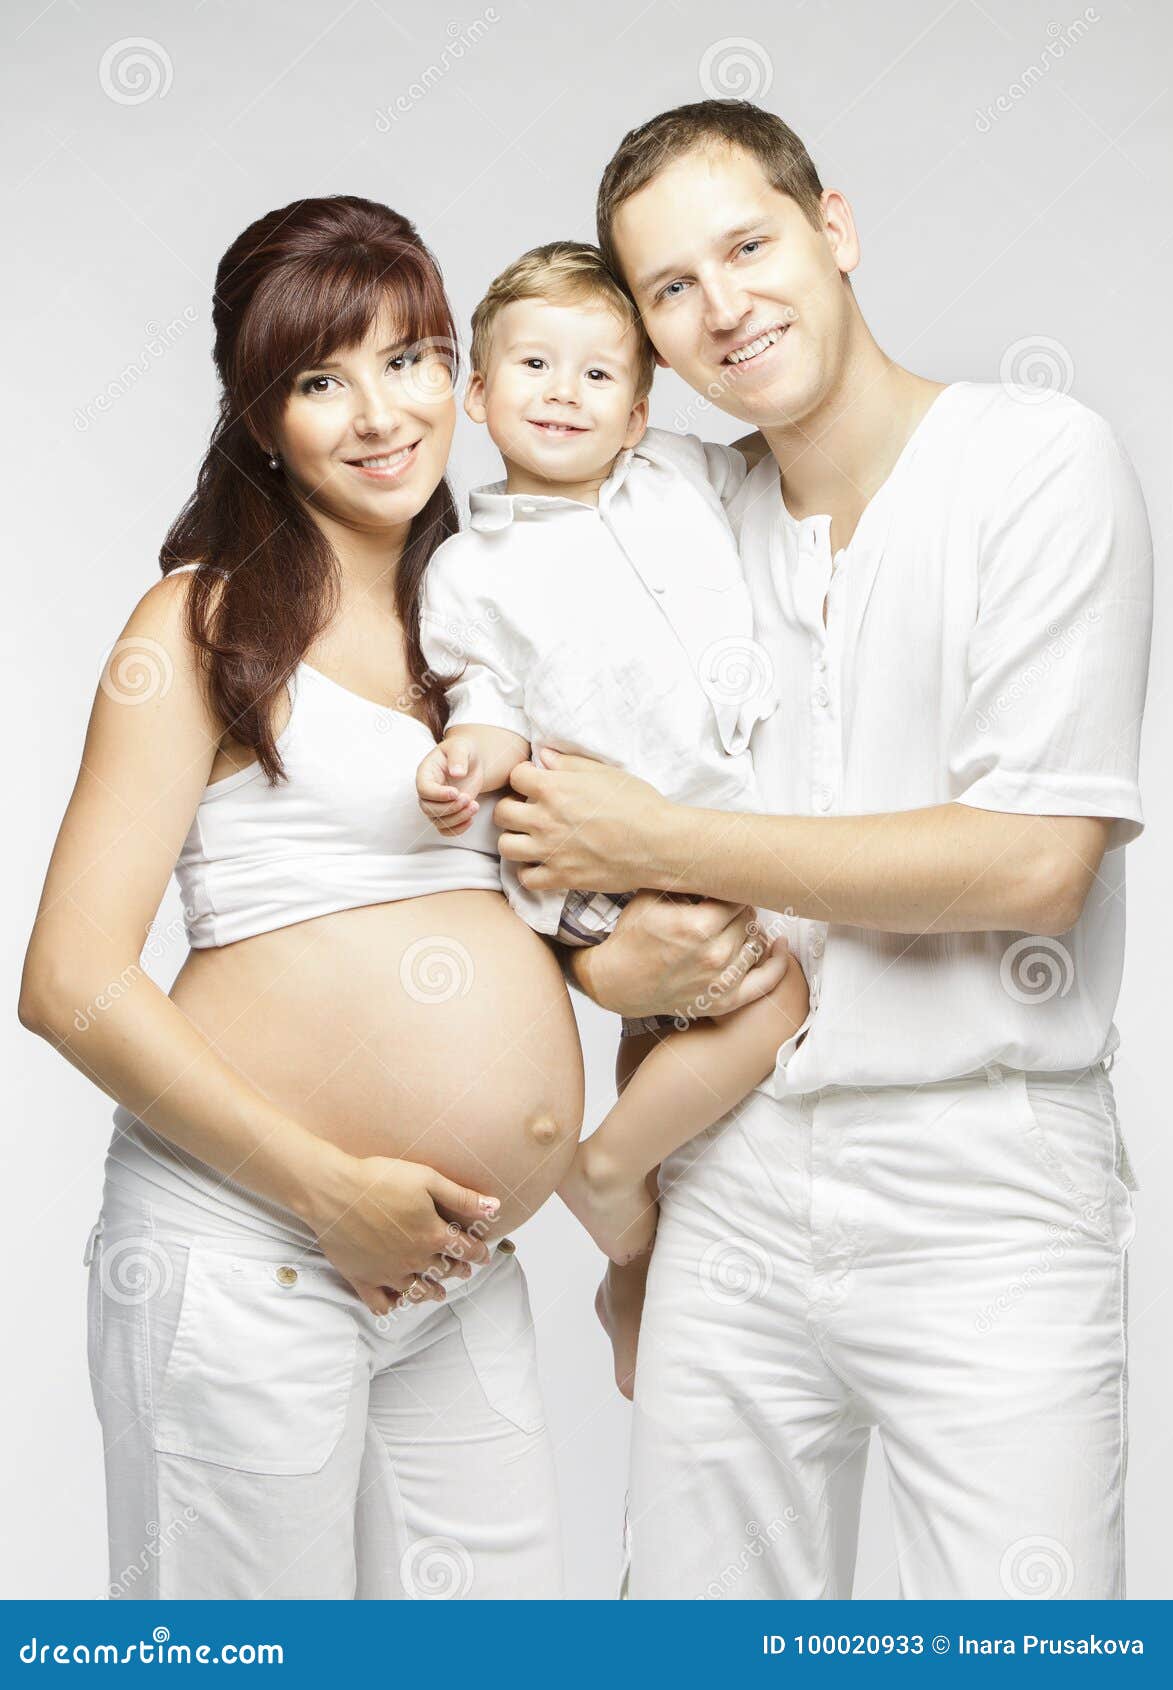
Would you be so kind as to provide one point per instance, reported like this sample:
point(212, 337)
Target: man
point(920, 1224)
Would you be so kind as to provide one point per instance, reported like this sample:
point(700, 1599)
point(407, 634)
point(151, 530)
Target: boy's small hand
point(447, 782)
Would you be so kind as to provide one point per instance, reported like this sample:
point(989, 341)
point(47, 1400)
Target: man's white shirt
point(986, 643)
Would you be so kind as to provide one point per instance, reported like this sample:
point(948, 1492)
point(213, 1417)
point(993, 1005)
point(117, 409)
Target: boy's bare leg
point(686, 1081)
point(619, 1303)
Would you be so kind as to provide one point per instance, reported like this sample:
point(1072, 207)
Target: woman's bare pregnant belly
point(437, 1029)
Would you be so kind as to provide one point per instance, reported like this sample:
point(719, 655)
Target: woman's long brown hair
point(296, 286)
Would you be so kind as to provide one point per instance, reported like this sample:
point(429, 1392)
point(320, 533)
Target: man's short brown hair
point(644, 152)
point(567, 273)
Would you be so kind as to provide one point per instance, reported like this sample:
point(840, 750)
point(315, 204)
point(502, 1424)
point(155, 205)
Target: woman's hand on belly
point(384, 1223)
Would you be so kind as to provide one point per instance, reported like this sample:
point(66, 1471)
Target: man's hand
point(580, 823)
point(669, 955)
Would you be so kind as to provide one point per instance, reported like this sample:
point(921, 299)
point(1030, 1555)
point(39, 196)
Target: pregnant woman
point(310, 1341)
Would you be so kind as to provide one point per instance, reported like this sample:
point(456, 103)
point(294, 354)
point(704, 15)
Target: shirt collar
point(491, 508)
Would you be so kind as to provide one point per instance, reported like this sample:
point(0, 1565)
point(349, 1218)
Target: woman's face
point(365, 436)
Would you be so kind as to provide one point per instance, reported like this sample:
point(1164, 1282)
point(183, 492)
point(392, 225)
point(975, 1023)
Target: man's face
point(740, 294)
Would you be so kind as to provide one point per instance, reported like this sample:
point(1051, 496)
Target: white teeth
point(755, 346)
point(384, 462)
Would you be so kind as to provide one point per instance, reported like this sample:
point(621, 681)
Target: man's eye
point(667, 293)
point(751, 246)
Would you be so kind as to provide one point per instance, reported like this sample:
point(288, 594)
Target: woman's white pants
point(265, 1435)
point(945, 1264)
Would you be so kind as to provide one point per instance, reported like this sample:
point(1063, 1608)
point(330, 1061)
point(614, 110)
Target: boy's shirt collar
point(491, 508)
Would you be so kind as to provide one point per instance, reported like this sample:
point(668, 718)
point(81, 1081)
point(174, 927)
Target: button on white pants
point(267, 1436)
point(945, 1264)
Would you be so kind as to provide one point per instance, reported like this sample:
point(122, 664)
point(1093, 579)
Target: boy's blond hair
point(564, 272)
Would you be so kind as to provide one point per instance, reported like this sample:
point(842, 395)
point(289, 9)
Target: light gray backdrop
point(1008, 161)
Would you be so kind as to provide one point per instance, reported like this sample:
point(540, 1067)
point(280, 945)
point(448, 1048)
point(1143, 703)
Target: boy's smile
point(558, 395)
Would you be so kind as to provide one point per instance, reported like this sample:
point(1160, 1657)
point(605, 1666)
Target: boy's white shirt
point(623, 632)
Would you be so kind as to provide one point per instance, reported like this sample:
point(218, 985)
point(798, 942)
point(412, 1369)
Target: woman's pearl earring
point(274, 461)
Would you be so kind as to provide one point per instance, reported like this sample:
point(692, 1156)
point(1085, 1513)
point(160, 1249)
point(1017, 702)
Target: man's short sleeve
point(466, 641)
point(1058, 656)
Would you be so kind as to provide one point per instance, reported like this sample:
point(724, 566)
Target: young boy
point(597, 605)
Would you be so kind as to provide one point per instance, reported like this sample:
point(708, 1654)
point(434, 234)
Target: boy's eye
point(602, 374)
point(534, 363)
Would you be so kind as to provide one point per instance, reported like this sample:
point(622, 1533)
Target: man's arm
point(950, 868)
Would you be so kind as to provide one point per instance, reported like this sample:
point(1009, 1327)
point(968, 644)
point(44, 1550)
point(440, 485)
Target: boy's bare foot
point(614, 1206)
point(619, 1303)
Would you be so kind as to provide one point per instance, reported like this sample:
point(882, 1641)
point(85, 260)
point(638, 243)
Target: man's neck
point(836, 460)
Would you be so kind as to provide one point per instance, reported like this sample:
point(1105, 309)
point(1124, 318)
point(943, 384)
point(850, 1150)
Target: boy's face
point(720, 263)
point(559, 392)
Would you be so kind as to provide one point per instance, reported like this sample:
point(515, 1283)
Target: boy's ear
point(637, 423)
point(474, 397)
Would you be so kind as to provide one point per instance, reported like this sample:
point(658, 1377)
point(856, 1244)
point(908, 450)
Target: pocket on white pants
point(1075, 1135)
point(261, 1368)
point(498, 1331)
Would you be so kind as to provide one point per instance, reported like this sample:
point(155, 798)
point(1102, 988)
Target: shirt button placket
point(826, 753)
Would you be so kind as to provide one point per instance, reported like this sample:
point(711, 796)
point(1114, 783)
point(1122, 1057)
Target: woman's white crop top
point(343, 829)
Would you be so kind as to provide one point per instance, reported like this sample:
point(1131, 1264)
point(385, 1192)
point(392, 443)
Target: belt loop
point(95, 1234)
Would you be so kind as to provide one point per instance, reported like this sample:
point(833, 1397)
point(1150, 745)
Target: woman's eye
point(403, 360)
point(310, 385)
